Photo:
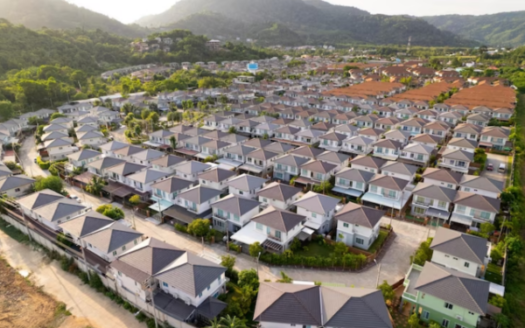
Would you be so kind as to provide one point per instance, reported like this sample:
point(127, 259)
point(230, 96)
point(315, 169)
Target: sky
point(128, 11)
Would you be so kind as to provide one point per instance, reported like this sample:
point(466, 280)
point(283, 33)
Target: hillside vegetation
point(503, 29)
point(315, 21)
point(59, 14)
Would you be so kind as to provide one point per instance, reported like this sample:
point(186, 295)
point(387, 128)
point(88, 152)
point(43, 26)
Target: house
point(167, 163)
point(56, 149)
point(307, 152)
point(100, 167)
point(56, 128)
point(235, 156)
point(437, 128)
point(84, 225)
point(428, 114)
point(456, 160)
point(143, 180)
point(82, 157)
point(16, 186)
point(278, 147)
point(216, 178)
point(338, 159)
point(358, 145)
point(259, 161)
point(199, 199)
point(367, 163)
point(417, 153)
point(399, 170)
point(319, 211)
point(279, 195)
point(466, 145)
point(273, 228)
point(212, 121)
point(502, 114)
point(495, 137)
point(112, 146)
point(56, 135)
point(286, 167)
point(371, 133)
point(348, 129)
point(352, 182)
point(433, 202)
point(316, 171)
point(468, 131)
point(472, 210)
point(413, 125)
point(111, 241)
point(51, 208)
point(190, 170)
point(245, 186)
point(265, 129)
point(426, 140)
point(451, 118)
point(460, 251)
point(213, 148)
point(387, 149)
point(146, 156)
point(478, 119)
point(126, 152)
point(387, 191)
point(481, 185)
point(398, 135)
point(85, 128)
point(332, 141)
point(449, 297)
point(120, 172)
point(387, 123)
point(91, 138)
point(175, 285)
point(232, 212)
point(309, 136)
point(286, 133)
point(88, 120)
point(320, 306)
point(165, 192)
point(442, 177)
point(357, 225)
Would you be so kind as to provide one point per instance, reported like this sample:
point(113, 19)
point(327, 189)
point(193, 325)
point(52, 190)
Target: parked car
point(490, 167)
point(35, 161)
point(502, 168)
point(75, 198)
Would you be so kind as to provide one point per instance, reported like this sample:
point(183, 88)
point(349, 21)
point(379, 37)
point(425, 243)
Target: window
point(114, 254)
point(304, 172)
point(319, 176)
point(442, 204)
point(259, 226)
point(123, 248)
point(467, 264)
point(373, 189)
point(236, 218)
point(240, 192)
point(342, 182)
point(379, 150)
point(164, 284)
point(449, 306)
point(135, 242)
point(444, 323)
point(467, 189)
point(359, 185)
point(419, 210)
point(265, 200)
point(485, 215)
point(268, 230)
point(278, 234)
point(461, 209)
point(450, 186)
point(359, 241)
point(425, 315)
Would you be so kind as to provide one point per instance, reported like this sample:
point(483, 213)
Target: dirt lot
point(23, 305)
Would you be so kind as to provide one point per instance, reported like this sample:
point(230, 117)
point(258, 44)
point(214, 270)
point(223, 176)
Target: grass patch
point(493, 274)
point(314, 249)
point(61, 311)
point(378, 242)
point(13, 232)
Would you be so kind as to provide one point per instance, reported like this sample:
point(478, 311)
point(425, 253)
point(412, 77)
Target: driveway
point(27, 156)
point(496, 160)
point(81, 300)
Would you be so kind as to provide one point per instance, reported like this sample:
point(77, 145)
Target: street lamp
point(378, 272)
point(259, 255)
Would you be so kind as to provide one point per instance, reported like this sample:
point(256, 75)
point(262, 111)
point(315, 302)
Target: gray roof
point(317, 203)
point(216, 175)
point(306, 151)
point(368, 161)
point(435, 192)
point(442, 175)
point(334, 136)
point(389, 182)
point(278, 147)
point(172, 184)
point(235, 204)
point(89, 135)
point(13, 182)
point(39, 199)
point(477, 201)
point(216, 135)
point(192, 167)
point(398, 167)
point(199, 194)
point(113, 145)
point(234, 138)
point(291, 160)
point(318, 166)
point(162, 134)
point(483, 183)
point(262, 154)
point(387, 143)
point(54, 135)
point(239, 150)
point(148, 154)
point(462, 142)
point(168, 161)
point(55, 127)
point(360, 140)
point(310, 305)
point(83, 154)
point(426, 138)
point(111, 237)
point(278, 219)
point(105, 162)
point(360, 215)
point(278, 191)
point(61, 208)
point(86, 224)
point(462, 245)
point(355, 175)
point(148, 176)
point(257, 143)
point(333, 157)
point(454, 287)
point(246, 182)
point(57, 143)
point(419, 148)
point(126, 168)
point(458, 155)
point(129, 150)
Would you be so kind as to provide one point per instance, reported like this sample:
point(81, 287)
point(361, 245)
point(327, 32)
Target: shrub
point(235, 248)
point(141, 317)
point(423, 253)
point(256, 249)
point(497, 301)
point(181, 228)
point(111, 211)
point(150, 323)
point(43, 165)
point(199, 227)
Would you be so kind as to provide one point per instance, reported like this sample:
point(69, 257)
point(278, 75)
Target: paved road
point(27, 156)
point(83, 301)
point(496, 160)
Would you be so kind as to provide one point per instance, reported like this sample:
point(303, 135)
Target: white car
point(75, 197)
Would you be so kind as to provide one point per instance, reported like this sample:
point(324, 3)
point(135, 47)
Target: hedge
point(351, 261)
point(43, 165)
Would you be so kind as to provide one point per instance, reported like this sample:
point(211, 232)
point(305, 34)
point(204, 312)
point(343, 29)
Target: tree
point(34, 121)
point(413, 321)
point(173, 142)
point(387, 291)
point(232, 130)
point(145, 113)
point(255, 249)
point(134, 200)
point(111, 211)
point(340, 248)
point(57, 115)
point(174, 116)
point(56, 168)
point(223, 99)
point(214, 323)
point(232, 322)
point(487, 228)
point(228, 262)
point(423, 253)
point(6, 110)
point(153, 117)
point(137, 130)
point(95, 185)
point(199, 227)
point(52, 182)
point(249, 278)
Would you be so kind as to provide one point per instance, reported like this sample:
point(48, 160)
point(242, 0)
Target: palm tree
point(232, 322)
point(215, 323)
point(96, 185)
point(173, 142)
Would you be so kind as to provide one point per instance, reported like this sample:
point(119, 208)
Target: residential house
point(338, 159)
point(190, 170)
point(126, 152)
point(442, 177)
point(456, 160)
point(398, 135)
point(91, 138)
point(481, 185)
point(88, 120)
point(15, 186)
point(432, 201)
point(367, 163)
point(437, 128)
point(278, 147)
point(319, 211)
point(307, 152)
point(235, 156)
point(167, 163)
point(413, 125)
point(143, 180)
point(495, 137)
point(332, 141)
point(279, 195)
point(352, 182)
point(387, 149)
point(451, 118)
point(446, 296)
point(357, 225)
point(56, 149)
point(315, 172)
point(472, 210)
point(216, 178)
point(478, 119)
point(100, 167)
point(348, 129)
point(428, 114)
point(213, 148)
point(502, 114)
point(56, 135)
point(56, 128)
point(387, 123)
point(466, 145)
point(468, 131)
point(165, 192)
point(286, 133)
point(84, 225)
point(427, 140)
point(198, 200)
point(358, 145)
point(387, 191)
point(111, 241)
point(81, 158)
point(417, 153)
point(460, 251)
point(245, 186)
point(232, 212)
point(286, 167)
point(112, 146)
point(399, 170)
point(309, 136)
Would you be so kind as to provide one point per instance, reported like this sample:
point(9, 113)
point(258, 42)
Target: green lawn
point(13, 232)
point(493, 274)
point(314, 249)
point(379, 241)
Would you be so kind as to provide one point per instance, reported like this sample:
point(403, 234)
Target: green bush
point(423, 253)
point(181, 228)
point(199, 227)
point(141, 317)
point(43, 165)
point(150, 323)
point(111, 211)
point(352, 261)
point(235, 248)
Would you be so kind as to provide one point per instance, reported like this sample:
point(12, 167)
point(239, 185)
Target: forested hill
point(59, 14)
point(315, 21)
point(503, 29)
